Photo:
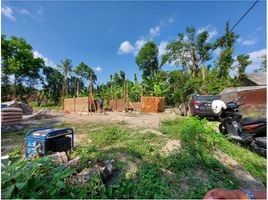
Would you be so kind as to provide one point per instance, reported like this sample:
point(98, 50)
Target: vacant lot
point(175, 158)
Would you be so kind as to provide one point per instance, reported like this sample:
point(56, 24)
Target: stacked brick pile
point(152, 104)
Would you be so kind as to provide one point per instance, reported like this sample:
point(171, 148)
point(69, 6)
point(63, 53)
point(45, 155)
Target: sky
point(107, 35)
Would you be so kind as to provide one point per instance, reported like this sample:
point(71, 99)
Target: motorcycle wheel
point(222, 129)
point(259, 146)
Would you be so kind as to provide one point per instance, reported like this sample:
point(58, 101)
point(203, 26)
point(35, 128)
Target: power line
point(241, 18)
point(244, 15)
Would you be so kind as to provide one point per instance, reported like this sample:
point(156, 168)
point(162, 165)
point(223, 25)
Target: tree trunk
point(62, 96)
point(66, 87)
point(77, 89)
point(40, 99)
point(15, 85)
point(203, 71)
point(195, 62)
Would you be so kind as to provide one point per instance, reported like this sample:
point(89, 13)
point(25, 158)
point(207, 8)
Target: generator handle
point(39, 129)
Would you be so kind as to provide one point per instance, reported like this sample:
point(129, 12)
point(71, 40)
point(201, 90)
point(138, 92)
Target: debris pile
point(26, 110)
point(101, 168)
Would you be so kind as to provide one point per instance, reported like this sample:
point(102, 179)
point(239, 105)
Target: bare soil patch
point(246, 180)
point(171, 146)
point(132, 120)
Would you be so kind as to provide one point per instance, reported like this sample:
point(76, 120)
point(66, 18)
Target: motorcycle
point(249, 130)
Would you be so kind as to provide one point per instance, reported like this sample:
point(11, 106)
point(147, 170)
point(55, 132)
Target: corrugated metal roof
point(258, 78)
point(239, 89)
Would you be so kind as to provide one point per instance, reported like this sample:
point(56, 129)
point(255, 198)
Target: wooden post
point(90, 95)
point(74, 92)
point(62, 97)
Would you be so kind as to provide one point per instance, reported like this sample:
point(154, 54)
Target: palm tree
point(66, 68)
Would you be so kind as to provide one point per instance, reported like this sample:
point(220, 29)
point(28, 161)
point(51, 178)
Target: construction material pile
point(11, 116)
point(152, 104)
point(26, 110)
point(101, 168)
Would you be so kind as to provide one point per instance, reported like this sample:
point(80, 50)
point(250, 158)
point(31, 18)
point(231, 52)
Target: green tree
point(147, 59)
point(66, 68)
point(52, 84)
point(84, 71)
point(226, 42)
point(178, 52)
point(18, 60)
point(243, 61)
point(188, 50)
point(135, 78)
point(122, 75)
point(203, 49)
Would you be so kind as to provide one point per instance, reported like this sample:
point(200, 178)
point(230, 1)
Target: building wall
point(253, 103)
point(119, 105)
point(79, 104)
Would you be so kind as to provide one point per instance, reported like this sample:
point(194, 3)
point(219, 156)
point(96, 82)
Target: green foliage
point(18, 60)
point(226, 42)
point(157, 85)
point(198, 134)
point(151, 183)
point(33, 179)
point(15, 151)
point(243, 62)
point(184, 174)
point(109, 136)
point(85, 72)
point(52, 84)
point(147, 59)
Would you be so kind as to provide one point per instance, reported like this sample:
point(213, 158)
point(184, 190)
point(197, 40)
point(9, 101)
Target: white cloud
point(170, 20)
point(48, 62)
point(248, 42)
point(98, 69)
point(125, 47)
point(23, 11)
point(256, 58)
point(212, 32)
point(8, 12)
point(154, 31)
point(162, 48)
point(139, 43)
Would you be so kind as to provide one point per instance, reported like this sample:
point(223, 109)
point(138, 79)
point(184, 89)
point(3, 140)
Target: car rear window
point(207, 98)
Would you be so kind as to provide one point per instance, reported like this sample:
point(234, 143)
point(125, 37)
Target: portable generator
point(44, 141)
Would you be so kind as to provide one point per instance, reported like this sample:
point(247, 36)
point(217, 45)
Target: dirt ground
point(133, 120)
point(136, 120)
